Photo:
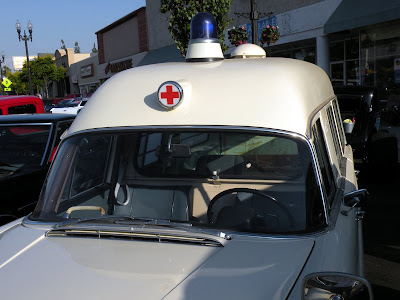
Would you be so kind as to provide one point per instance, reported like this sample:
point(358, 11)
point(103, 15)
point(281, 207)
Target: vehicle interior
point(250, 181)
point(22, 147)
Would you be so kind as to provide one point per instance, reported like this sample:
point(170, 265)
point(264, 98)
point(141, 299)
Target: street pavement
point(382, 231)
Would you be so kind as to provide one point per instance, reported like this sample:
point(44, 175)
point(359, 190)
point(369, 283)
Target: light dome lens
point(203, 26)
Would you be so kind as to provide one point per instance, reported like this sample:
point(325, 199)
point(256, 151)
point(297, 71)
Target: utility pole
point(254, 19)
point(254, 16)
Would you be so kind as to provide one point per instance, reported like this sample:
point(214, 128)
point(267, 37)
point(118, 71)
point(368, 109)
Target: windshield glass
point(233, 180)
point(22, 147)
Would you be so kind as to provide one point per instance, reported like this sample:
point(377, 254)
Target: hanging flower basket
point(238, 36)
point(269, 35)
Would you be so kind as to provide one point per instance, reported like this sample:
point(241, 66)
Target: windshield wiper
point(130, 220)
point(186, 226)
point(108, 219)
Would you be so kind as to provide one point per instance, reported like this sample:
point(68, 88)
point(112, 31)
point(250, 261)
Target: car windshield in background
point(22, 147)
point(244, 181)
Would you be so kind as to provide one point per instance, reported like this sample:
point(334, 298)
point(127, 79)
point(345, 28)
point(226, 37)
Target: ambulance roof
point(276, 93)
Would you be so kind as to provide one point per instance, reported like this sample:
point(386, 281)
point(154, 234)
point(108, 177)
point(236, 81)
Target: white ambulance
point(210, 179)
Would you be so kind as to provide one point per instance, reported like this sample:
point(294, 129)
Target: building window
point(305, 53)
point(344, 57)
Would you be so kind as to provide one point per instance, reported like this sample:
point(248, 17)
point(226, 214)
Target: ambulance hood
point(90, 267)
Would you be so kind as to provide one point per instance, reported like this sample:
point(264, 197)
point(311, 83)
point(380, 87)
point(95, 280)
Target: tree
point(94, 49)
point(76, 48)
point(19, 86)
point(182, 12)
point(44, 71)
point(63, 45)
point(6, 71)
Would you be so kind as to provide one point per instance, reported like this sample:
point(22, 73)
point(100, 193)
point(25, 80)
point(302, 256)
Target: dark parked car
point(371, 143)
point(27, 146)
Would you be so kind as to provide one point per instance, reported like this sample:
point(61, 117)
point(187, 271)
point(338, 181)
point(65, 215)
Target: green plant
point(269, 35)
point(238, 36)
point(43, 71)
point(182, 12)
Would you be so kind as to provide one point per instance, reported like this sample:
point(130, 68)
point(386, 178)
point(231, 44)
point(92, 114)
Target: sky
point(70, 20)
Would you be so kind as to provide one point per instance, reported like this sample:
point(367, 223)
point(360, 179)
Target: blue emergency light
point(204, 44)
point(203, 26)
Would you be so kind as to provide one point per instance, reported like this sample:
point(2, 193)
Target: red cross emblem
point(169, 94)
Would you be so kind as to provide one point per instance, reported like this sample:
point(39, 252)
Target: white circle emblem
point(170, 94)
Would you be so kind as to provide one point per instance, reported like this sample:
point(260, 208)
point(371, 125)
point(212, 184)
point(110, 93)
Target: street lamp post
point(1, 61)
point(25, 38)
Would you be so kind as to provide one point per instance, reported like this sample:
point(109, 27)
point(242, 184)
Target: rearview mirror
point(173, 151)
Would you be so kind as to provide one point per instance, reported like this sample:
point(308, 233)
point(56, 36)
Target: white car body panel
point(148, 269)
point(205, 102)
point(68, 110)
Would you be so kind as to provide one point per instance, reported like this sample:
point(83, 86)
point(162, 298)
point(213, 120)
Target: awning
point(352, 14)
point(161, 55)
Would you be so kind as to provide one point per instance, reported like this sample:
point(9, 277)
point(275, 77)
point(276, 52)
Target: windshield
point(233, 180)
point(22, 147)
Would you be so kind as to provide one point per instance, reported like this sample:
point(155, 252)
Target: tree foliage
point(63, 45)
point(19, 86)
point(94, 49)
point(6, 71)
point(182, 12)
point(77, 49)
point(43, 71)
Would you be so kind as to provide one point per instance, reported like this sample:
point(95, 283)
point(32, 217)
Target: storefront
point(86, 77)
point(110, 68)
point(69, 60)
point(122, 44)
point(365, 44)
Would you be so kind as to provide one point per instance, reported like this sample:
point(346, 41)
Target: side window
point(339, 124)
point(89, 166)
point(22, 109)
point(60, 129)
point(334, 130)
point(323, 160)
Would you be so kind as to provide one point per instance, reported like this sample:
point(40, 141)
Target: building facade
point(354, 41)
point(67, 59)
point(354, 46)
point(19, 61)
point(86, 76)
point(122, 44)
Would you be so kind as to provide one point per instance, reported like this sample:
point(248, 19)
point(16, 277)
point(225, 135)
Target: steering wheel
point(250, 191)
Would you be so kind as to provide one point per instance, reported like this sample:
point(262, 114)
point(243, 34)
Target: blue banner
point(261, 24)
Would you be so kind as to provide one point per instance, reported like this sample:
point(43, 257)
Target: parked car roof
point(30, 118)
point(20, 104)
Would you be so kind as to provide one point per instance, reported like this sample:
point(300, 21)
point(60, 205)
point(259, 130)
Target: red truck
point(11, 105)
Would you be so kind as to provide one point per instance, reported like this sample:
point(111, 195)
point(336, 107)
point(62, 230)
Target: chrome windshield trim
point(49, 138)
point(185, 127)
point(19, 124)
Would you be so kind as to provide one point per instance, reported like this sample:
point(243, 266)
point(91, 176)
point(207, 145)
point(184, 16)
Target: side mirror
point(358, 198)
point(336, 286)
